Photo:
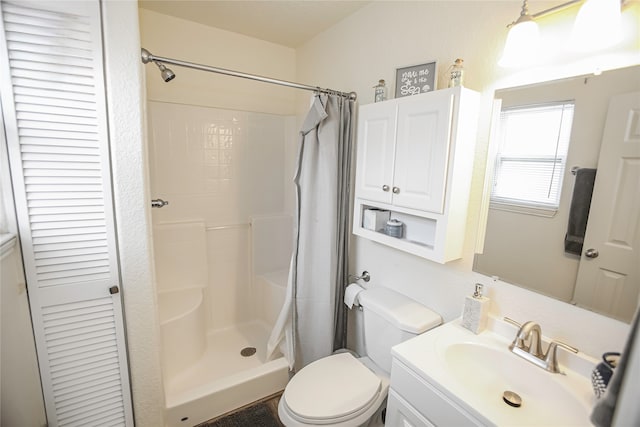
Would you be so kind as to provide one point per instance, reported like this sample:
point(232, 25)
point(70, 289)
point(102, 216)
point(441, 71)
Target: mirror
point(526, 247)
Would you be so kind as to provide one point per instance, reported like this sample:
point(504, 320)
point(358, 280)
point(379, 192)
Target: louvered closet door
point(53, 100)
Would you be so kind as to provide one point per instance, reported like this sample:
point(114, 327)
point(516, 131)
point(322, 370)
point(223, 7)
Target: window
point(530, 163)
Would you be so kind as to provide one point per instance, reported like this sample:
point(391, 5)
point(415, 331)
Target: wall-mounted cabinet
point(414, 159)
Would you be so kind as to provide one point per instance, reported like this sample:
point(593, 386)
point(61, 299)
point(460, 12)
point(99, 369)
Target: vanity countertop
point(475, 370)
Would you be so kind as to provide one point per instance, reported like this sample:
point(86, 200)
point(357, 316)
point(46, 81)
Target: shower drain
point(248, 351)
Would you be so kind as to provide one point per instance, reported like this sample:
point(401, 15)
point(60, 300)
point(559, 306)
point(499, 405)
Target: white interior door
point(53, 101)
point(609, 274)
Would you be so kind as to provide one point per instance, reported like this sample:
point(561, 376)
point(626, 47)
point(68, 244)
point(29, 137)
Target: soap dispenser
point(476, 311)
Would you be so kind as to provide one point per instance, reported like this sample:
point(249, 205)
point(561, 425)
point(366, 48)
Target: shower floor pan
point(223, 379)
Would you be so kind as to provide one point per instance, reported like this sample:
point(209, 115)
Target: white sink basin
point(475, 371)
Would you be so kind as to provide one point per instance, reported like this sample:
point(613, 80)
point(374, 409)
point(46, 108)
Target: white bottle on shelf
point(456, 73)
point(381, 91)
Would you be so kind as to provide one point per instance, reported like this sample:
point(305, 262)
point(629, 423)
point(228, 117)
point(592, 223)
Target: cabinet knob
point(114, 290)
point(395, 190)
point(385, 187)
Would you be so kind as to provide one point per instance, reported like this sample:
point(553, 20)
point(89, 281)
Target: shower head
point(166, 73)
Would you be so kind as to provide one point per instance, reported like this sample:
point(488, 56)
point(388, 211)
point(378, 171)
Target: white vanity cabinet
point(414, 159)
point(413, 402)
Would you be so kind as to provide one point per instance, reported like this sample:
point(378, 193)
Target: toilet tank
point(389, 319)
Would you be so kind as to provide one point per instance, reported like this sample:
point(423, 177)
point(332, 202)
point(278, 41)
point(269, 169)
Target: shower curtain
point(312, 322)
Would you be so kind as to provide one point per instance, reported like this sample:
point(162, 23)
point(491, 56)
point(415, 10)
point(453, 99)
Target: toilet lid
point(332, 387)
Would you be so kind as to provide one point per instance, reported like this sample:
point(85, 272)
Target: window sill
point(525, 210)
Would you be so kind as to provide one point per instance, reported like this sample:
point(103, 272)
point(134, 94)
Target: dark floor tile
point(260, 414)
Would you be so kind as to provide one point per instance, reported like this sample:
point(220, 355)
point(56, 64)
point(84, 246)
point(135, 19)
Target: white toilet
point(341, 390)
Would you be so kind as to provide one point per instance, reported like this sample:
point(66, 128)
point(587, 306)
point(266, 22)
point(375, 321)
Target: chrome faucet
point(528, 345)
point(530, 333)
point(551, 360)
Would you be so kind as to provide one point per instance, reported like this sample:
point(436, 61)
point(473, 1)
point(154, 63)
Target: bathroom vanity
point(450, 376)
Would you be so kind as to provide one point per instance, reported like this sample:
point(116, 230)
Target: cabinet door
point(376, 132)
point(401, 414)
point(422, 148)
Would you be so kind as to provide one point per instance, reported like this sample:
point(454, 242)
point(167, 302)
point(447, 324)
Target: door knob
point(114, 290)
point(385, 187)
point(395, 190)
point(591, 253)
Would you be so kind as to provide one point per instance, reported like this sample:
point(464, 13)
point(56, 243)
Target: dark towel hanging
point(579, 211)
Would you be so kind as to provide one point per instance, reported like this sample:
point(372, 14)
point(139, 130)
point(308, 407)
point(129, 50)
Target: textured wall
point(125, 98)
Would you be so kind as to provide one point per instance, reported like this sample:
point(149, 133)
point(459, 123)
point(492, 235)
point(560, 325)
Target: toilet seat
point(343, 388)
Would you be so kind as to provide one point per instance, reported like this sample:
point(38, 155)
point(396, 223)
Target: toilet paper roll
point(351, 294)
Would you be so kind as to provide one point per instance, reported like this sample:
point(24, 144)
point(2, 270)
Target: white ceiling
point(289, 23)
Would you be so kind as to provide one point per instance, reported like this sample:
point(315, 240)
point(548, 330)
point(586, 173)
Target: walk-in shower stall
point(223, 238)
point(222, 245)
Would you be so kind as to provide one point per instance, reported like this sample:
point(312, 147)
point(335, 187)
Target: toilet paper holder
point(364, 276)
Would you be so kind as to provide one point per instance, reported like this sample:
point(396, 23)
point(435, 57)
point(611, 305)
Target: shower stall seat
point(204, 373)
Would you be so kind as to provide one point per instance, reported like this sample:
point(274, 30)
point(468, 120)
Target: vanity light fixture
point(523, 41)
point(597, 25)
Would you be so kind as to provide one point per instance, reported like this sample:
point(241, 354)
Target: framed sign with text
point(416, 79)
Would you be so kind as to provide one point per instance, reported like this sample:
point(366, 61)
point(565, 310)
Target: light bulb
point(523, 44)
point(598, 25)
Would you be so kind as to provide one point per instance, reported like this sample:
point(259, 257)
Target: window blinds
point(530, 163)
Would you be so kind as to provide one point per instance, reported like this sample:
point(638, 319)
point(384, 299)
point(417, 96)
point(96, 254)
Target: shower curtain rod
point(149, 57)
